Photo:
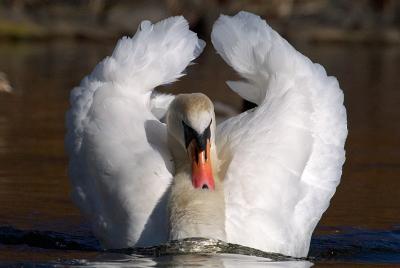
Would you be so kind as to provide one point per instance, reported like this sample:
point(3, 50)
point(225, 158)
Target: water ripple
point(357, 245)
point(343, 245)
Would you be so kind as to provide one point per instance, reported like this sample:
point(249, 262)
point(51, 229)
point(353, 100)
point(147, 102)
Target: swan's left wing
point(120, 166)
point(281, 161)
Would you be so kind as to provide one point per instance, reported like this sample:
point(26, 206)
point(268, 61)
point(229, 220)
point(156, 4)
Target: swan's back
point(282, 161)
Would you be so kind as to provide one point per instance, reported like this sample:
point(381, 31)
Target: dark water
point(39, 225)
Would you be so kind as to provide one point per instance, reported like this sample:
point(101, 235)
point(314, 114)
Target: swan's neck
point(195, 212)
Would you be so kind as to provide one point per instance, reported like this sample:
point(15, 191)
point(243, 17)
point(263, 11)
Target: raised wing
point(120, 166)
point(282, 160)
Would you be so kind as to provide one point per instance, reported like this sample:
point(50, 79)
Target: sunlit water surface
point(40, 226)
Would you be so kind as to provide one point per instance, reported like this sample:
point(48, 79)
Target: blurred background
point(47, 47)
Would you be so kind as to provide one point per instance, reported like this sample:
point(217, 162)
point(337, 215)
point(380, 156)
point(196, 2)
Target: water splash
point(199, 245)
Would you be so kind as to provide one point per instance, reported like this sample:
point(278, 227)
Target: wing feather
point(120, 166)
point(281, 161)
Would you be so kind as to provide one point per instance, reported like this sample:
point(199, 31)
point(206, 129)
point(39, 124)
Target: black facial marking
point(201, 139)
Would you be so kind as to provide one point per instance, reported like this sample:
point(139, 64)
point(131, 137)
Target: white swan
point(269, 172)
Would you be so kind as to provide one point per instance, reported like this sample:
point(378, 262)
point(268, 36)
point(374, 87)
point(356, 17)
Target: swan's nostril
point(205, 186)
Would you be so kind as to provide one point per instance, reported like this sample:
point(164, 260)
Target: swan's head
point(191, 125)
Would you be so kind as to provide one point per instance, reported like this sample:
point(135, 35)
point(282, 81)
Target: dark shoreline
point(325, 21)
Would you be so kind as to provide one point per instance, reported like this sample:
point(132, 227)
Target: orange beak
point(202, 175)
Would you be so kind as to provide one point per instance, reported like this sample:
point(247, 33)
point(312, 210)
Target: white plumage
point(120, 166)
point(280, 162)
point(283, 160)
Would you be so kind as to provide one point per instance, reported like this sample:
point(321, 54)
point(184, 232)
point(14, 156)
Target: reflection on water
point(220, 260)
point(215, 260)
point(34, 189)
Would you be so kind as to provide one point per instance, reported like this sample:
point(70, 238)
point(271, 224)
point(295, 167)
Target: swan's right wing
point(281, 161)
point(120, 166)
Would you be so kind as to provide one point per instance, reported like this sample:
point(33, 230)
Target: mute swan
point(261, 179)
